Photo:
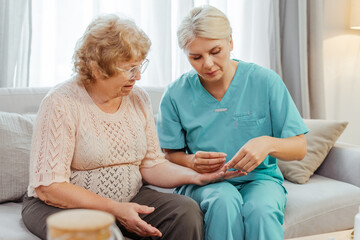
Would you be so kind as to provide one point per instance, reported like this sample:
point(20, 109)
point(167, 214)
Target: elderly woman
point(95, 141)
point(226, 110)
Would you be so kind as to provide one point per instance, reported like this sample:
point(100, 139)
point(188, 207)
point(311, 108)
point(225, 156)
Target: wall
point(342, 68)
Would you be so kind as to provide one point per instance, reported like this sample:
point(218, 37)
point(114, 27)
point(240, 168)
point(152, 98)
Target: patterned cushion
point(15, 142)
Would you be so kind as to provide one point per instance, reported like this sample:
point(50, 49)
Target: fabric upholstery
point(301, 217)
point(321, 200)
point(15, 142)
point(11, 224)
point(320, 139)
point(21, 100)
point(308, 211)
point(346, 158)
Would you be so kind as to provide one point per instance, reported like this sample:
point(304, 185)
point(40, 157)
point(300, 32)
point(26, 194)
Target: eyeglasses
point(134, 70)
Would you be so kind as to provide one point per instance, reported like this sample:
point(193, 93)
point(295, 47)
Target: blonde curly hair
point(107, 41)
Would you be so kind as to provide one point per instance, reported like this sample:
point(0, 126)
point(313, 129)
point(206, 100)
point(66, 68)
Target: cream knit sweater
point(74, 141)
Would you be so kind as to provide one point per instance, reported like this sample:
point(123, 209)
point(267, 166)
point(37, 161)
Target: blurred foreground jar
point(81, 224)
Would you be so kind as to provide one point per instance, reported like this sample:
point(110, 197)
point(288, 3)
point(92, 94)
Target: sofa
point(327, 202)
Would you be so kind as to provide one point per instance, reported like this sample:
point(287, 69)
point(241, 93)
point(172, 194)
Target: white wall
point(342, 68)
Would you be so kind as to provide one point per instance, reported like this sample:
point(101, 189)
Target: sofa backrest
point(27, 100)
point(21, 100)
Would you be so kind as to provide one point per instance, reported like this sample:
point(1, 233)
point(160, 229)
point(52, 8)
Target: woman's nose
point(137, 76)
point(208, 62)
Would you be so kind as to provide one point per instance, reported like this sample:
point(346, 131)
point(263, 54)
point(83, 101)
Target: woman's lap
point(34, 215)
point(174, 215)
point(170, 209)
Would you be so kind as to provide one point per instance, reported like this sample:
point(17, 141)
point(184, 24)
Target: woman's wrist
point(110, 206)
point(190, 159)
point(196, 178)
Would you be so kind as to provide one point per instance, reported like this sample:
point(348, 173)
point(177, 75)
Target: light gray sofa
point(327, 202)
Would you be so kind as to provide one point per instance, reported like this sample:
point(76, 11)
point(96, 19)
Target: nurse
point(226, 111)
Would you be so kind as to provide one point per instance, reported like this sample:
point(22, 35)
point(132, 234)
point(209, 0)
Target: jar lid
point(80, 220)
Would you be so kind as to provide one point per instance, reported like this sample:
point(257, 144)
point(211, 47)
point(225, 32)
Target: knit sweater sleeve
point(153, 155)
point(53, 143)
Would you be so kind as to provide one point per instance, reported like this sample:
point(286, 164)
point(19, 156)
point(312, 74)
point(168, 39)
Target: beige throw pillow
point(15, 142)
point(320, 139)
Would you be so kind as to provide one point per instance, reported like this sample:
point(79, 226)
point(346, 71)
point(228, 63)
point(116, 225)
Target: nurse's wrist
point(271, 144)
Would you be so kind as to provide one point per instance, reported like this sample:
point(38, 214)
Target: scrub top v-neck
point(255, 104)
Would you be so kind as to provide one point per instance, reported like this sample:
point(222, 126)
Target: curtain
point(285, 36)
point(180, 64)
point(315, 58)
point(257, 34)
point(300, 37)
point(58, 24)
point(15, 42)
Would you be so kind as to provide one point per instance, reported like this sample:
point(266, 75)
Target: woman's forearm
point(67, 195)
point(168, 175)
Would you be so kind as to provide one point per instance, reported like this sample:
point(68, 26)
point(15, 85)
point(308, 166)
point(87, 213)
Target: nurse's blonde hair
point(206, 22)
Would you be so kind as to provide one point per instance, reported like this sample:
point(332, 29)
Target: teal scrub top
point(257, 103)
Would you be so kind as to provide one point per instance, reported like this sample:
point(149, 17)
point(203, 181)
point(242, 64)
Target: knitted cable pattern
point(74, 141)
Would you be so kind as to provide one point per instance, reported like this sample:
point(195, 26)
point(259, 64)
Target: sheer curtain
point(15, 40)
point(285, 36)
point(57, 24)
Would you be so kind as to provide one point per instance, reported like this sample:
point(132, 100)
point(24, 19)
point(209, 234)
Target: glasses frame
point(134, 70)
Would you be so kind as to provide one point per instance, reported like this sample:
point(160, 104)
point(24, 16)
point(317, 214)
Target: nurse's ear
point(231, 44)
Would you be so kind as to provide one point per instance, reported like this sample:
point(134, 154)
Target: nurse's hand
point(251, 155)
point(206, 162)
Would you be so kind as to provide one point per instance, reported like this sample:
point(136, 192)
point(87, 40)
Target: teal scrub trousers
point(235, 211)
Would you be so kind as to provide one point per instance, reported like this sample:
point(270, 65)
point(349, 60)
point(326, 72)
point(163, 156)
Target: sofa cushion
point(15, 143)
point(319, 206)
point(320, 139)
point(11, 225)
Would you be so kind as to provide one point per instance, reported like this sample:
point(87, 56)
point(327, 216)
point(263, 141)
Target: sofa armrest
point(342, 164)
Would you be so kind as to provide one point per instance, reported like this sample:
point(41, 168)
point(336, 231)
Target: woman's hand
point(206, 162)
point(218, 176)
point(128, 215)
point(251, 155)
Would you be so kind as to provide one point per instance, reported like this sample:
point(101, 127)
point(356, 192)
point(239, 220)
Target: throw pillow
point(15, 143)
point(320, 139)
